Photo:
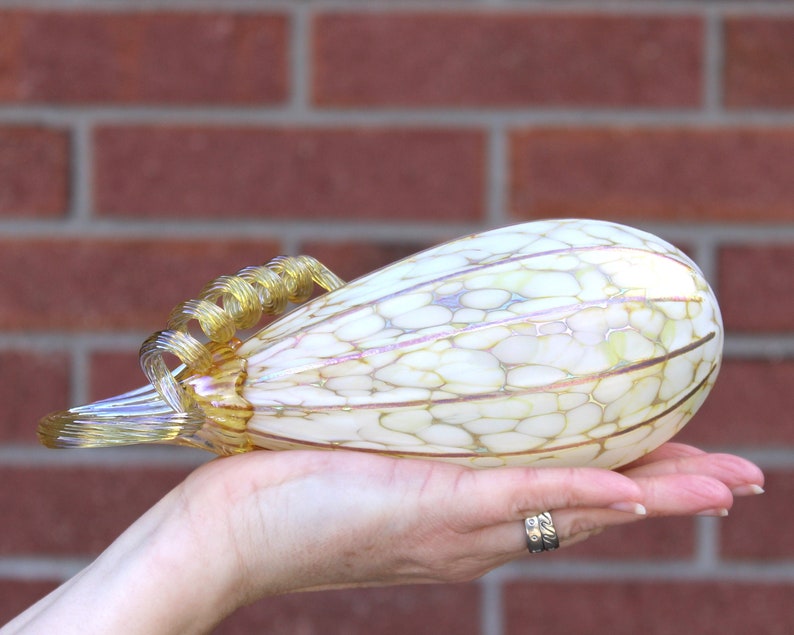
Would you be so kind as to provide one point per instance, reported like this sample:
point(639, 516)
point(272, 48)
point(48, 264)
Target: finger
point(572, 526)
point(497, 496)
point(665, 495)
point(738, 474)
point(506, 497)
point(664, 452)
point(684, 494)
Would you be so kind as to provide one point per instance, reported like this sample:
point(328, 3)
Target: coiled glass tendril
point(224, 306)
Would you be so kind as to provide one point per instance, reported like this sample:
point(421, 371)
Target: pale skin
point(266, 523)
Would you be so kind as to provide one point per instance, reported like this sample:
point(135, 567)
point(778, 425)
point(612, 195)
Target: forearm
point(154, 579)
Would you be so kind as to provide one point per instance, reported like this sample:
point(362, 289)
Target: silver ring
point(541, 534)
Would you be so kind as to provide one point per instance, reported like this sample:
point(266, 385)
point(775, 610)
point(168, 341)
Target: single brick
point(770, 539)
point(34, 167)
point(147, 57)
point(112, 284)
point(746, 406)
point(759, 52)
point(675, 174)
point(438, 609)
point(756, 289)
point(316, 174)
point(506, 60)
point(32, 383)
point(659, 608)
point(76, 510)
point(17, 595)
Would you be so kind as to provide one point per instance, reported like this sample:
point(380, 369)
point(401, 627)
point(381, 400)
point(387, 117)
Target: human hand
point(298, 521)
point(240, 528)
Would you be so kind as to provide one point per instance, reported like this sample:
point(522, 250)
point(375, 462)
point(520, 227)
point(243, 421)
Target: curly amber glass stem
point(224, 306)
point(165, 412)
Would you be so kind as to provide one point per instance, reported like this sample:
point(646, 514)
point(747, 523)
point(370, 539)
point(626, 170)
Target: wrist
point(157, 578)
point(184, 578)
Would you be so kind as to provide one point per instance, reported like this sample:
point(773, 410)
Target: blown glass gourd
point(561, 342)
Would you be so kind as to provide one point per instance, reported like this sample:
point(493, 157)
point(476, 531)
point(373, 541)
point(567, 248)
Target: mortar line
point(651, 570)
point(665, 7)
point(710, 234)
point(299, 60)
point(713, 62)
point(242, 229)
point(79, 374)
point(772, 346)
point(136, 456)
point(65, 341)
point(81, 161)
point(706, 256)
point(291, 244)
point(41, 569)
point(491, 606)
point(441, 118)
point(497, 175)
point(707, 542)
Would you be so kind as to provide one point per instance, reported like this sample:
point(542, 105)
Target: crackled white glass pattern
point(560, 342)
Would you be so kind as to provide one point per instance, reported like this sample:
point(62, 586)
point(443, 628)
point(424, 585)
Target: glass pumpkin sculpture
point(559, 342)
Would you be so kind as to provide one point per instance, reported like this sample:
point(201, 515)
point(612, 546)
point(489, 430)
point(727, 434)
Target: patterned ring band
point(541, 534)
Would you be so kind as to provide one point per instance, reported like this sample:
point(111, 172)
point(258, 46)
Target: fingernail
point(717, 511)
point(748, 490)
point(629, 507)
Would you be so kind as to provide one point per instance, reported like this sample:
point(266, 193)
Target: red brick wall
point(145, 150)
